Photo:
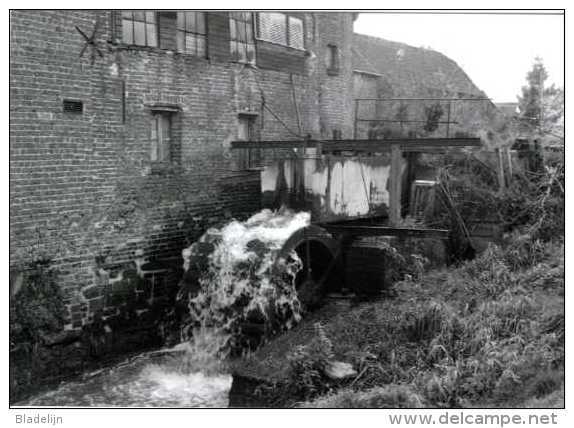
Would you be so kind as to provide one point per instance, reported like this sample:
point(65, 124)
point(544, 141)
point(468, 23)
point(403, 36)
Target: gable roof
point(410, 71)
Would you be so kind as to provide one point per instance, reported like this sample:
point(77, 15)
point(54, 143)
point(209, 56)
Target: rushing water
point(238, 278)
point(154, 379)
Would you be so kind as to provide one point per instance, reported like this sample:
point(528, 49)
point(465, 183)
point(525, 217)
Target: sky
point(496, 51)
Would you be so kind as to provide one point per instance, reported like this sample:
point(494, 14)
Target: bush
point(307, 364)
point(37, 308)
point(488, 273)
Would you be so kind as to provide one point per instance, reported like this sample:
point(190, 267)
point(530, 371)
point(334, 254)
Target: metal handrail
point(448, 102)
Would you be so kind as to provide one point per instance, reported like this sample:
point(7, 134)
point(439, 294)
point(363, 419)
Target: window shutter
point(296, 38)
point(272, 28)
point(154, 139)
point(165, 137)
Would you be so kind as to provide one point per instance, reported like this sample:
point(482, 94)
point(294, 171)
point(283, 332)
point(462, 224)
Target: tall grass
point(490, 332)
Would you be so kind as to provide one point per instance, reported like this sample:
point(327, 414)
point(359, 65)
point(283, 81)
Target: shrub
point(490, 269)
point(306, 366)
point(523, 251)
point(37, 309)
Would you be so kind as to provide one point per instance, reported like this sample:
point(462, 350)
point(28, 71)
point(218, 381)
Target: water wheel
point(322, 264)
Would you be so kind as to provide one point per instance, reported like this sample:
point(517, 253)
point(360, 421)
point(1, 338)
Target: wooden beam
point(395, 186)
point(357, 230)
point(405, 144)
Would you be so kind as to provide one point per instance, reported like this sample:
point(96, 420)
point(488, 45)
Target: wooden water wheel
point(322, 269)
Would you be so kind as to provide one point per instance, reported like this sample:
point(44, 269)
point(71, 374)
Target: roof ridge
point(380, 39)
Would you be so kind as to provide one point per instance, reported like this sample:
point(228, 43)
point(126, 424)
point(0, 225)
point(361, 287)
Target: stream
point(165, 378)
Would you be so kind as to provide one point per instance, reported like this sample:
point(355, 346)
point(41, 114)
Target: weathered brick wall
point(83, 191)
point(336, 97)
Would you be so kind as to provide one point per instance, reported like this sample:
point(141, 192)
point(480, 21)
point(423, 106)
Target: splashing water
point(233, 276)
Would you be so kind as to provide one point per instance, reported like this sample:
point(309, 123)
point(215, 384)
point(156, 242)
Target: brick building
point(120, 124)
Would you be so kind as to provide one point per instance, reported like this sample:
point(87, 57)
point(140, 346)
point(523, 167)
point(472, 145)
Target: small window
point(191, 33)
point(139, 28)
point(332, 60)
point(241, 37)
point(161, 137)
point(281, 29)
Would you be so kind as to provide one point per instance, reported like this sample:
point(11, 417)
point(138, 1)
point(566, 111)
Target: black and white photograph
point(287, 209)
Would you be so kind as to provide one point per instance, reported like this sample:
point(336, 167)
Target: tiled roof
point(410, 71)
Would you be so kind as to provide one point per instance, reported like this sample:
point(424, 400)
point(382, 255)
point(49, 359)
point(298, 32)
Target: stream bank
point(488, 333)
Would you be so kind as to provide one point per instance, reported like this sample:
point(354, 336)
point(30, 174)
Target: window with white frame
point(282, 29)
point(139, 28)
point(191, 33)
point(242, 42)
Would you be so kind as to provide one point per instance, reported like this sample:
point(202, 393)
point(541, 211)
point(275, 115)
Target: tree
point(553, 112)
point(541, 110)
point(530, 103)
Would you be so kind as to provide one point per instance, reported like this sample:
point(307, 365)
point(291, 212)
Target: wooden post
point(500, 163)
point(356, 119)
point(509, 159)
point(395, 188)
point(448, 121)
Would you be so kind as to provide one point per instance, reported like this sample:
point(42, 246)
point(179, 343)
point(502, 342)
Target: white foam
point(244, 277)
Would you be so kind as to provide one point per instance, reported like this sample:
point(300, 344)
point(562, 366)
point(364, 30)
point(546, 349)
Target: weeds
point(307, 364)
point(491, 334)
point(389, 396)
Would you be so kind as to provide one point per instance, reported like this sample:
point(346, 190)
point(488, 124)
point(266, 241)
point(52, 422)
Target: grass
point(489, 333)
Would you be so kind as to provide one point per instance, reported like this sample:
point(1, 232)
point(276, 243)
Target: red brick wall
point(83, 191)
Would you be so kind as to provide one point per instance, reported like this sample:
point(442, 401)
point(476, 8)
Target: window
point(281, 29)
point(161, 137)
point(241, 35)
point(248, 158)
point(191, 33)
point(332, 60)
point(139, 28)
point(246, 131)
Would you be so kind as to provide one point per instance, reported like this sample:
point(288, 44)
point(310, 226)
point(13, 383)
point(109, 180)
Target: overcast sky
point(496, 51)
